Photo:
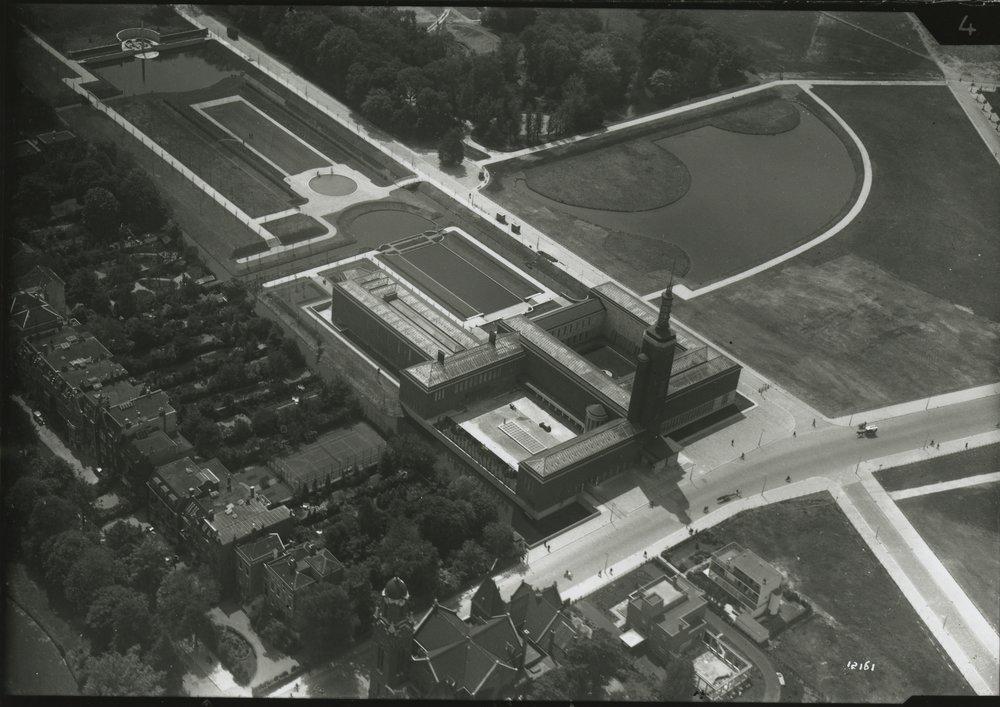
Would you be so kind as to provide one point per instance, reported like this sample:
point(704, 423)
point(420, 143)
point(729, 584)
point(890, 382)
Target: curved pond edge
point(686, 293)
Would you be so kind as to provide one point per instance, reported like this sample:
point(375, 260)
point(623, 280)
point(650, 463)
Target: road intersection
point(642, 514)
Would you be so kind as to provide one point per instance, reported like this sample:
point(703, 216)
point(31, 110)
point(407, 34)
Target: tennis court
point(467, 288)
point(330, 455)
point(285, 151)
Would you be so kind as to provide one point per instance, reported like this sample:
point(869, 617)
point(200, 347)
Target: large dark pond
point(171, 72)
point(751, 197)
point(389, 224)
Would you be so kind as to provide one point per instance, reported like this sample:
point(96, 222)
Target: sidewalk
point(978, 480)
point(934, 401)
point(942, 605)
point(51, 440)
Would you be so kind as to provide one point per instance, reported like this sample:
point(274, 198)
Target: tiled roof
point(538, 612)
point(643, 311)
point(158, 447)
point(260, 548)
point(487, 599)
point(246, 519)
point(582, 447)
point(466, 656)
point(569, 360)
point(569, 313)
point(377, 306)
point(324, 563)
point(38, 276)
point(431, 373)
point(28, 311)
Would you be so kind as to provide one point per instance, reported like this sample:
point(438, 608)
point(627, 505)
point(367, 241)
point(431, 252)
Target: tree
point(444, 522)
point(60, 553)
point(33, 199)
point(114, 674)
point(95, 568)
point(182, 602)
point(100, 213)
point(122, 537)
point(500, 540)
point(579, 111)
point(470, 562)
point(83, 287)
point(323, 617)
point(50, 515)
point(379, 107)
point(450, 148)
point(118, 618)
point(404, 553)
point(140, 202)
point(593, 662)
point(554, 685)
point(678, 682)
point(601, 76)
point(146, 564)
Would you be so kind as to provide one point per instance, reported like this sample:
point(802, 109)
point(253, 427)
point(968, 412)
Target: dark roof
point(569, 313)
point(159, 448)
point(29, 311)
point(470, 658)
point(487, 602)
point(252, 516)
point(538, 613)
point(432, 373)
point(144, 408)
point(38, 276)
point(260, 548)
point(185, 473)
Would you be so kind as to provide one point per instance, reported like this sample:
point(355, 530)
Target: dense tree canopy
point(118, 618)
point(114, 674)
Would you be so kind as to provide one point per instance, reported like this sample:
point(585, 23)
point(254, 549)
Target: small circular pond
point(390, 224)
point(333, 185)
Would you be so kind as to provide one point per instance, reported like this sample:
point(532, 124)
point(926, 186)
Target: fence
point(301, 479)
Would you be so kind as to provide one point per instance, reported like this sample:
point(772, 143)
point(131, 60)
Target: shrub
point(277, 634)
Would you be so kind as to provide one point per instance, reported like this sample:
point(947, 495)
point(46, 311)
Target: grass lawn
point(901, 304)
point(962, 527)
point(269, 139)
point(724, 223)
point(72, 27)
point(238, 174)
point(860, 614)
point(295, 228)
point(971, 462)
point(632, 176)
point(857, 45)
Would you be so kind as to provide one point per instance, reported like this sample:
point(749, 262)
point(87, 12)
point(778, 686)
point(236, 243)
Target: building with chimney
point(542, 397)
point(494, 654)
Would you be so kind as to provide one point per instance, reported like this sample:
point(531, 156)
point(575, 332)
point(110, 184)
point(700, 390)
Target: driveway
point(269, 665)
point(772, 688)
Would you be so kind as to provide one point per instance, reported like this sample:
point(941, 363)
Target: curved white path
point(686, 293)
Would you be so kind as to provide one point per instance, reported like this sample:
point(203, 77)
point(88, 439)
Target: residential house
point(667, 615)
point(287, 576)
point(753, 584)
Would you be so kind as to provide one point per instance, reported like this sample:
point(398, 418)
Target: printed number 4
point(963, 28)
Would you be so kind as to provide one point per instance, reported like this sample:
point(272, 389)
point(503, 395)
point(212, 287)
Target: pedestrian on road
point(814, 422)
point(598, 573)
point(793, 433)
point(932, 442)
point(645, 554)
point(788, 479)
point(966, 445)
point(743, 455)
point(732, 443)
point(939, 445)
point(611, 570)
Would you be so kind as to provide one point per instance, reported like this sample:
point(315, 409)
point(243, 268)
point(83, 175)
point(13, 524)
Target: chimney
point(274, 554)
point(229, 483)
point(493, 338)
point(441, 357)
point(191, 492)
point(253, 491)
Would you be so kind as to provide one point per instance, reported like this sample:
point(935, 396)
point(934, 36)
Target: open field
point(251, 126)
point(69, 27)
point(856, 45)
point(295, 228)
point(971, 462)
point(962, 527)
point(859, 612)
point(709, 193)
point(902, 303)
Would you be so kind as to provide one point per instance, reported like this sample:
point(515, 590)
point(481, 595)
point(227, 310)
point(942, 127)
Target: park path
point(51, 440)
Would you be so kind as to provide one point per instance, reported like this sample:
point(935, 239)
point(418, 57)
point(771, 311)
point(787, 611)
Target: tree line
point(567, 65)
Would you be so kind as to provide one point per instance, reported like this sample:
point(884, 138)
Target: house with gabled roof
point(493, 654)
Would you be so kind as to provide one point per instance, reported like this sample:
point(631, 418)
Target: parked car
point(38, 417)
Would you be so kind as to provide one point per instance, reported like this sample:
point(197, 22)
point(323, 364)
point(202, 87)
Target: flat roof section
point(582, 447)
point(432, 373)
point(513, 434)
